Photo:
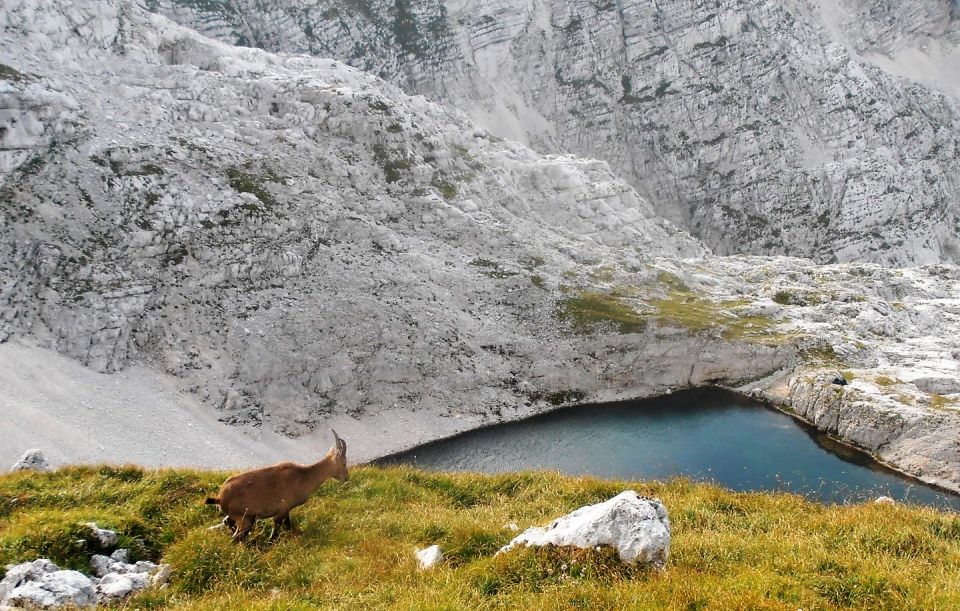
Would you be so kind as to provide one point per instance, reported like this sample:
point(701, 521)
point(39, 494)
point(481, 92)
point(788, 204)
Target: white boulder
point(32, 460)
point(637, 527)
point(884, 500)
point(429, 556)
point(20, 574)
point(56, 589)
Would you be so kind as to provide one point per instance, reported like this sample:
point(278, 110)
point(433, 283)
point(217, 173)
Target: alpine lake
point(704, 434)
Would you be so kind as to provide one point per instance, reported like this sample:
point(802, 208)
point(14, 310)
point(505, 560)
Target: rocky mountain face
point(298, 241)
point(826, 130)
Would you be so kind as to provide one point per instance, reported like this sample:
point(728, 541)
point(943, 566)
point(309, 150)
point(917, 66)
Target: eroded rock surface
point(826, 130)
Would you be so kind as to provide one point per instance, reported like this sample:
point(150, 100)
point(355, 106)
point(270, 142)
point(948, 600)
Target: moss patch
point(942, 402)
point(243, 181)
point(447, 189)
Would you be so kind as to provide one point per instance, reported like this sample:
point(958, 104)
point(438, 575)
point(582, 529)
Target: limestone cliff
point(298, 241)
point(826, 130)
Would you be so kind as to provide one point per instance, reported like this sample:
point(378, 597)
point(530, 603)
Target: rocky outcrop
point(638, 528)
point(53, 589)
point(42, 584)
point(374, 250)
point(826, 130)
point(896, 429)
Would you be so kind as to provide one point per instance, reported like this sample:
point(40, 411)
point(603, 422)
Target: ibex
point(271, 492)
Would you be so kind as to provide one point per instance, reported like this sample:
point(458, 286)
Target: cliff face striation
point(298, 242)
point(826, 130)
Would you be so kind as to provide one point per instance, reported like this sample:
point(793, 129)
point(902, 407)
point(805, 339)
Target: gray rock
point(104, 538)
point(19, 574)
point(229, 237)
point(162, 576)
point(101, 565)
point(638, 528)
point(32, 460)
point(55, 589)
point(143, 566)
point(114, 587)
point(121, 555)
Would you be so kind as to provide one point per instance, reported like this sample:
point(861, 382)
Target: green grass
point(683, 308)
point(595, 311)
point(356, 541)
point(590, 312)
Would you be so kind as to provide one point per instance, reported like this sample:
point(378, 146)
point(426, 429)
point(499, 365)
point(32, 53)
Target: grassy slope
point(355, 547)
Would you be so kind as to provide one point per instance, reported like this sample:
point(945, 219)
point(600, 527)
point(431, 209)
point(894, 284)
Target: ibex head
point(338, 456)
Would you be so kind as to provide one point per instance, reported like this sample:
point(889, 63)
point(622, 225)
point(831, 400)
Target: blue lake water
point(703, 434)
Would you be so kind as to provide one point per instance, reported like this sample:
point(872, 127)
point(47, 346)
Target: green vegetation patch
point(820, 354)
point(784, 297)
point(492, 269)
point(394, 165)
point(8, 73)
point(355, 541)
point(686, 309)
point(942, 402)
point(447, 189)
point(589, 312)
point(243, 181)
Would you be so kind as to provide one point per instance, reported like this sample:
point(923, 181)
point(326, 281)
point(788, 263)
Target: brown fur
point(271, 492)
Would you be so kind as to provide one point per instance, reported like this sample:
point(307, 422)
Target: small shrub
point(447, 189)
point(244, 182)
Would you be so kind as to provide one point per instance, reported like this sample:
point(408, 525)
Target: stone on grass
point(56, 589)
point(429, 556)
point(42, 584)
point(884, 500)
point(638, 528)
point(121, 555)
point(32, 460)
point(117, 586)
point(20, 574)
point(105, 565)
point(162, 575)
point(105, 538)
